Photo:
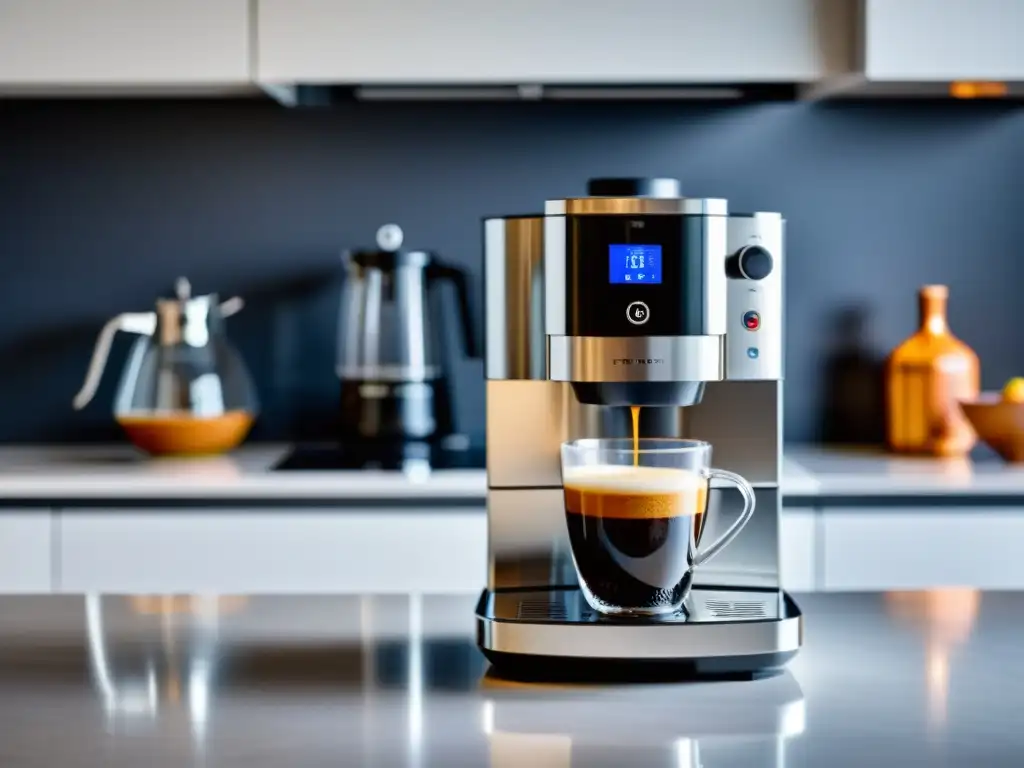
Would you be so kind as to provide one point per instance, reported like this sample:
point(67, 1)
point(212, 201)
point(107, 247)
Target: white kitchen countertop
point(118, 472)
point(863, 472)
point(112, 472)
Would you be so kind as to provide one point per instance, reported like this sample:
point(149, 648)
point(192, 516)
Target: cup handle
point(702, 556)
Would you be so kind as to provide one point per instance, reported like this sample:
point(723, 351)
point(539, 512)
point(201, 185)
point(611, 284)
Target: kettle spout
point(231, 306)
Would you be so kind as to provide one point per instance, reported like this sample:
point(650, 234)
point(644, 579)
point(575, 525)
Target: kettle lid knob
point(389, 237)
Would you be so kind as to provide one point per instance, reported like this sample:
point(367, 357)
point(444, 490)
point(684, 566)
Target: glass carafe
point(392, 342)
point(185, 389)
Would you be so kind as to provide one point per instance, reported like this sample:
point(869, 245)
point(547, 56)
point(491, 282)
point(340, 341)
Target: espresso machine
point(572, 338)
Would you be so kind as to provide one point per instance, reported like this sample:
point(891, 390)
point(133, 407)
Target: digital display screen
point(634, 264)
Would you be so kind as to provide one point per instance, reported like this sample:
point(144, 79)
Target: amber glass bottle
point(925, 377)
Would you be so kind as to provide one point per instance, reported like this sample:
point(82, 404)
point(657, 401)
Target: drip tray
point(719, 623)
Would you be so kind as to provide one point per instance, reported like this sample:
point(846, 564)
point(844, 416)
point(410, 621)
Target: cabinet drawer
point(867, 549)
point(273, 551)
point(25, 550)
point(797, 550)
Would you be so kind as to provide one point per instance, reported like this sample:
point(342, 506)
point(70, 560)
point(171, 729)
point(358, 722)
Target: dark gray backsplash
point(103, 204)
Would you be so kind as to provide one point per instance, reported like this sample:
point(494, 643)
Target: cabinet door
point(927, 40)
point(798, 537)
point(25, 550)
point(273, 551)
point(124, 42)
point(871, 549)
point(527, 41)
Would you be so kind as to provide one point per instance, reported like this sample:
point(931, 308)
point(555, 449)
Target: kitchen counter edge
point(70, 475)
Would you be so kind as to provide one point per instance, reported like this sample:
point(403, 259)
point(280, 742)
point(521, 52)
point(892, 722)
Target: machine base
point(553, 633)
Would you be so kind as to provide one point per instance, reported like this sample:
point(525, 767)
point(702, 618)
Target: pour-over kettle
point(185, 389)
point(392, 342)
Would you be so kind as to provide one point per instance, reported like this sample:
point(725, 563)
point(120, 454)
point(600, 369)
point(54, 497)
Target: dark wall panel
point(103, 204)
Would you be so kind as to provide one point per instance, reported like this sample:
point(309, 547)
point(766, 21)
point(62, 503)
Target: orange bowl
point(998, 423)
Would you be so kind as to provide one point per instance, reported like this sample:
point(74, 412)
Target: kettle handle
point(440, 271)
point(143, 323)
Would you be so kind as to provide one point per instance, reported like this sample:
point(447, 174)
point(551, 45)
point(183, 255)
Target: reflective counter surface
point(884, 679)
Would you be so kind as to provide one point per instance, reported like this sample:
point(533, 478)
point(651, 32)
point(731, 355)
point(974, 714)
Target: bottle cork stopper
point(934, 292)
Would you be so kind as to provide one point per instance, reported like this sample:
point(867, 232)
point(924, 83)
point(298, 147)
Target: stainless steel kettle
point(391, 342)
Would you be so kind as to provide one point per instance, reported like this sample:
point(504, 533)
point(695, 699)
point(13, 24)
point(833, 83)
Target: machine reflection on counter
point(701, 725)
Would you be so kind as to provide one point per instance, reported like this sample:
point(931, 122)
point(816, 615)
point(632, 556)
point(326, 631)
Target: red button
point(752, 321)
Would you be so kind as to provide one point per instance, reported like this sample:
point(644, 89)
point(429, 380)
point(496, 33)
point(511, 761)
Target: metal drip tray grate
point(736, 609)
point(702, 606)
point(542, 610)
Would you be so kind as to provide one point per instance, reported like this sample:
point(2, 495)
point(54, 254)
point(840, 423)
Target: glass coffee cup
point(635, 516)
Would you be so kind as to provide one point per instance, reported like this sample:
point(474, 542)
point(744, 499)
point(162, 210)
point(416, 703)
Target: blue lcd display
point(634, 264)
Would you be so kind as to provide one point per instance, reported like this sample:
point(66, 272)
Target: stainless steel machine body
point(570, 341)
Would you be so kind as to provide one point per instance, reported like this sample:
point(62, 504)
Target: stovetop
point(396, 457)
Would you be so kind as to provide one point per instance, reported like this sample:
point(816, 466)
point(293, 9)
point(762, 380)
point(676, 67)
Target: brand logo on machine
point(638, 361)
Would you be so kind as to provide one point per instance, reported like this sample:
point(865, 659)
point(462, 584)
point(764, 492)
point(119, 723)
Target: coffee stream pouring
point(185, 389)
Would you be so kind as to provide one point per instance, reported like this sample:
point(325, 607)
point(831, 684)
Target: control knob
point(751, 262)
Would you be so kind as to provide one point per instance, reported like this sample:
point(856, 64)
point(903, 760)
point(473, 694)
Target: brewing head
point(645, 393)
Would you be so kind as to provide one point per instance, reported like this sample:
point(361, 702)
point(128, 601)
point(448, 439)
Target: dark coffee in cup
point(630, 528)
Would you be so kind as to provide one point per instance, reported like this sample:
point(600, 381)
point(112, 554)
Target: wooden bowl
point(997, 423)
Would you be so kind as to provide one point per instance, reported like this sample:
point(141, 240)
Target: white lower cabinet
point(376, 551)
point(901, 548)
point(798, 534)
point(26, 563)
point(272, 551)
point(381, 551)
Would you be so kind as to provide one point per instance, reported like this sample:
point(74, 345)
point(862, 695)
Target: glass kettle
point(392, 343)
point(185, 390)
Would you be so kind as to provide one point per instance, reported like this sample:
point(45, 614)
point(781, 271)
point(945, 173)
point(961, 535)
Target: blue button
point(752, 353)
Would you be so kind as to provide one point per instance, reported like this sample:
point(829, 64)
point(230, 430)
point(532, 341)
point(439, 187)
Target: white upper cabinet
point(828, 46)
point(943, 40)
point(539, 41)
point(69, 43)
